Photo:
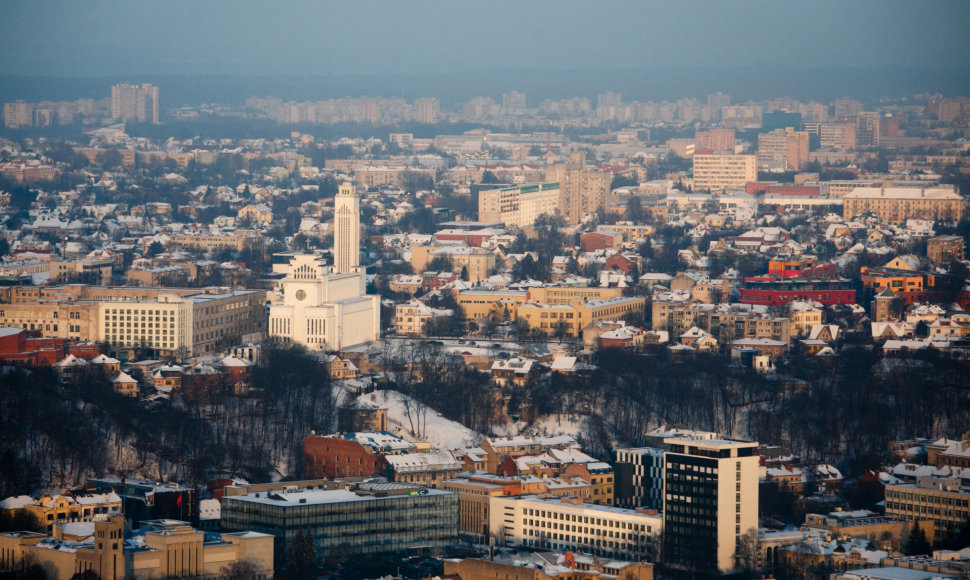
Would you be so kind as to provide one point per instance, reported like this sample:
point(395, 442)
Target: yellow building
point(494, 305)
point(479, 263)
point(170, 549)
point(85, 271)
point(258, 212)
point(898, 204)
point(570, 320)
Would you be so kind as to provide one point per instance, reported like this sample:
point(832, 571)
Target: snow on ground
point(547, 425)
point(439, 432)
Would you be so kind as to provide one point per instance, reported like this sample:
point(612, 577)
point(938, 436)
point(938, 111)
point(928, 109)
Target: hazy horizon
point(221, 51)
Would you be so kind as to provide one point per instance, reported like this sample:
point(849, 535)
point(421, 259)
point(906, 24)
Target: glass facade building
point(371, 518)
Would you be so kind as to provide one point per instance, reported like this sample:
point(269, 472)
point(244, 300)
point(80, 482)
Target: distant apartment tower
point(838, 136)
point(846, 108)
point(720, 172)
point(710, 503)
point(608, 105)
point(513, 103)
point(426, 110)
point(581, 191)
point(135, 102)
point(782, 150)
point(868, 129)
point(17, 114)
point(714, 140)
point(718, 100)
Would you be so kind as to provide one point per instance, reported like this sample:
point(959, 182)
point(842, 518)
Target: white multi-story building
point(196, 324)
point(518, 206)
point(565, 523)
point(326, 307)
point(710, 503)
point(719, 172)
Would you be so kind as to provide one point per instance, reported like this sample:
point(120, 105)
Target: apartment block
point(134, 102)
point(582, 190)
point(719, 172)
point(782, 150)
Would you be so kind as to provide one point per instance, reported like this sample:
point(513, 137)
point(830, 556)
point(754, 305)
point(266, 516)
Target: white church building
point(326, 307)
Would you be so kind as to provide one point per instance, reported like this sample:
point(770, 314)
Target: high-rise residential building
point(17, 114)
point(782, 150)
point(326, 307)
point(582, 191)
point(608, 105)
point(714, 141)
point(718, 100)
point(867, 129)
point(135, 102)
point(426, 110)
point(720, 172)
point(710, 504)
point(847, 109)
point(838, 136)
point(513, 103)
point(346, 230)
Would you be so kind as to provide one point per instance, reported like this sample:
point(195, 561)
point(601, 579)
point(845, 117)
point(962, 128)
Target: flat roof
point(333, 496)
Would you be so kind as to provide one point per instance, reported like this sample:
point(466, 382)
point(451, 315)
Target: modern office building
point(367, 519)
point(710, 502)
point(639, 477)
point(719, 172)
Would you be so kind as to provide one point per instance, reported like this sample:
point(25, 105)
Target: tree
point(489, 177)
point(241, 570)
point(301, 558)
point(155, 248)
point(916, 544)
point(110, 158)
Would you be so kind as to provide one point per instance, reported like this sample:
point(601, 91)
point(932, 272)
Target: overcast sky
point(294, 37)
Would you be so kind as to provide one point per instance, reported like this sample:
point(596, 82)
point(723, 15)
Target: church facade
point(326, 307)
